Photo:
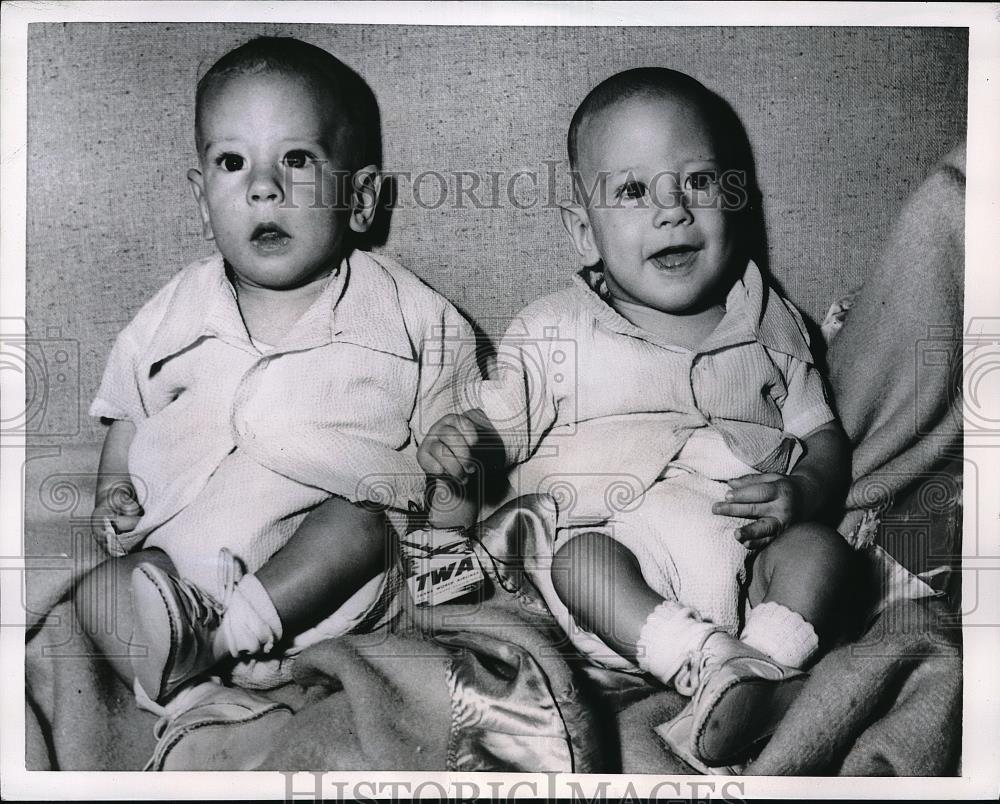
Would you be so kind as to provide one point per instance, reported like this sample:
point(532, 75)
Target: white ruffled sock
point(251, 623)
point(780, 633)
point(671, 633)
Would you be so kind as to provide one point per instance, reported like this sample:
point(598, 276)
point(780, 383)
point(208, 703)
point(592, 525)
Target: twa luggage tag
point(439, 564)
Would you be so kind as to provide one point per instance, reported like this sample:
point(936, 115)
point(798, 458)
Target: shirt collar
point(754, 312)
point(367, 312)
point(360, 306)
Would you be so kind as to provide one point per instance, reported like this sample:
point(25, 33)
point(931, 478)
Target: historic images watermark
point(550, 185)
point(323, 786)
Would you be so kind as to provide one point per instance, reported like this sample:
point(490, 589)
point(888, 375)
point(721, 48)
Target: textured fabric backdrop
point(844, 122)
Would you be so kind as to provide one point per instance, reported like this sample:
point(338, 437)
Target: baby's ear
point(577, 226)
point(198, 188)
point(367, 186)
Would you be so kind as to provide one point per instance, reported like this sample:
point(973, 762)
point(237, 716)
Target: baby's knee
point(810, 546)
point(586, 555)
point(568, 560)
point(592, 550)
point(347, 524)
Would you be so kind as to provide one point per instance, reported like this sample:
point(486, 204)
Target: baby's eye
point(632, 189)
point(297, 159)
point(230, 162)
point(701, 180)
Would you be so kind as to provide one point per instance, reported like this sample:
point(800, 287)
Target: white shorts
point(685, 552)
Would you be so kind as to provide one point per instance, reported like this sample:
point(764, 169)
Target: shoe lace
point(229, 571)
point(203, 607)
point(691, 672)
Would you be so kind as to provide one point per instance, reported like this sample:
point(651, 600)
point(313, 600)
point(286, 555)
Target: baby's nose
point(671, 208)
point(264, 186)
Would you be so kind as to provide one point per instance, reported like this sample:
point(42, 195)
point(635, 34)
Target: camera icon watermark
point(530, 373)
point(50, 365)
point(968, 366)
point(524, 374)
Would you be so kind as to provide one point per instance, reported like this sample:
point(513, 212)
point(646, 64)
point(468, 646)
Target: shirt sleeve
point(118, 396)
point(448, 369)
point(805, 405)
point(518, 397)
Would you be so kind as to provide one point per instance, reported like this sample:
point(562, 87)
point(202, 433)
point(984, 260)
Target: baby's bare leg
point(338, 548)
point(602, 585)
point(103, 602)
point(807, 569)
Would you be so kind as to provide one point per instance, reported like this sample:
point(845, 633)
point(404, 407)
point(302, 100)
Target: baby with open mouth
point(263, 411)
point(671, 370)
point(674, 257)
point(269, 237)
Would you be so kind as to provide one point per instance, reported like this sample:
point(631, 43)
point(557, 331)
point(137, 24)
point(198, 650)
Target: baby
point(263, 405)
point(672, 365)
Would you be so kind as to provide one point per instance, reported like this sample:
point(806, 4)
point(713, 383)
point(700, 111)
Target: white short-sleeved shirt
point(596, 402)
point(233, 446)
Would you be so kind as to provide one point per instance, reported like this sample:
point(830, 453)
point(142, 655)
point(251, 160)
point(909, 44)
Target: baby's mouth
point(673, 257)
point(269, 237)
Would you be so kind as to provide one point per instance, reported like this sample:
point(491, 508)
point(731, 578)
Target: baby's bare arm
point(456, 451)
point(454, 445)
point(824, 473)
point(115, 498)
point(811, 491)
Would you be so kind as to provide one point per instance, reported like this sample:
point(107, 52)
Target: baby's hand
point(116, 507)
point(452, 445)
point(774, 500)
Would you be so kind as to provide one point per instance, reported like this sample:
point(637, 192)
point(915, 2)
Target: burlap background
point(844, 123)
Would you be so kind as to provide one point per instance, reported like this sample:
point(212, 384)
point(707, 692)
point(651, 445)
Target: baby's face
point(271, 188)
point(656, 220)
